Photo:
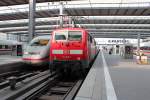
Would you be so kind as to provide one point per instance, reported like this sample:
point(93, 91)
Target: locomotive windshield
point(74, 35)
point(70, 35)
point(61, 35)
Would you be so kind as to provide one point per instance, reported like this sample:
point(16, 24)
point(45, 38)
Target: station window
point(9, 47)
point(6, 46)
point(3, 46)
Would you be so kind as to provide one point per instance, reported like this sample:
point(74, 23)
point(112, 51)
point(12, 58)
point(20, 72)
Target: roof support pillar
point(138, 43)
point(61, 11)
point(71, 22)
point(124, 41)
point(19, 37)
point(7, 36)
point(32, 7)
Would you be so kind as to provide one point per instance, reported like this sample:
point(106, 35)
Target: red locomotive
point(72, 46)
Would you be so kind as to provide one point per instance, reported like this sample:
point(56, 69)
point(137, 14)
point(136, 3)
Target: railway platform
point(114, 78)
point(5, 59)
point(10, 63)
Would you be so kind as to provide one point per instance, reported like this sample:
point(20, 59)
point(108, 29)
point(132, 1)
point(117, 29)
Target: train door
point(93, 48)
point(19, 50)
point(14, 50)
point(117, 49)
point(89, 47)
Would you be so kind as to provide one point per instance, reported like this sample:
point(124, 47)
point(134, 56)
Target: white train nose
point(38, 57)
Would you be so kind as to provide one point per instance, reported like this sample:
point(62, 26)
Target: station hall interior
point(74, 49)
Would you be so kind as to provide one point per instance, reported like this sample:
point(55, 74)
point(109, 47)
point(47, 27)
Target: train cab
point(37, 52)
point(71, 46)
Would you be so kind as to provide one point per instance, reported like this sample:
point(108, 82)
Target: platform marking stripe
point(110, 91)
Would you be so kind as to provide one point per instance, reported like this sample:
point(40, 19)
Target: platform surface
point(5, 59)
point(127, 81)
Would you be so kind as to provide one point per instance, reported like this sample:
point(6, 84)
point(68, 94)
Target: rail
point(24, 86)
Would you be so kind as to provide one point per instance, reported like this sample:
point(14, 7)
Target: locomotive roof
point(70, 28)
point(73, 28)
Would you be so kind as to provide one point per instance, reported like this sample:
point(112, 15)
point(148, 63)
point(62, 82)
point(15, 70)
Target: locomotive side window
point(94, 42)
point(90, 38)
point(75, 35)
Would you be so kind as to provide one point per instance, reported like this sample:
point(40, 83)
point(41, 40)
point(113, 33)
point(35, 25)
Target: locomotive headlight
point(57, 52)
point(78, 58)
point(76, 51)
point(36, 56)
point(26, 53)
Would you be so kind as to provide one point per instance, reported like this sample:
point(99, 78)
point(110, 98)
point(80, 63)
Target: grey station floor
point(5, 59)
point(114, 78)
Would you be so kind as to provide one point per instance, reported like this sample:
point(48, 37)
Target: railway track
point(57, 89)
point(24, 86)
point(40, 87)
point(8, 78)
point(4, 68)
point(17, 74)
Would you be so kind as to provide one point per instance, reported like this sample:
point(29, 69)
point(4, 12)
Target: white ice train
point(37, 52)
point(144, 48)
point(10, 47)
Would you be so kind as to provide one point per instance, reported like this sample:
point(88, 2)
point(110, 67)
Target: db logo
point(66, 51)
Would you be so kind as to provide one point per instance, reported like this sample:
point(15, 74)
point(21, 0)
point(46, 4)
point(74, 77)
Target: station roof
point(19, 2)
point(133, 9)
point(109, 20)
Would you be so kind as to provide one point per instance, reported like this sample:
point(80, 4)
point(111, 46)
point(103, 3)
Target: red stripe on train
point(147, 52)
point(43, 59)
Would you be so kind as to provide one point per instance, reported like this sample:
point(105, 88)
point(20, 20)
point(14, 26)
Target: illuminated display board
point(115, 41)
